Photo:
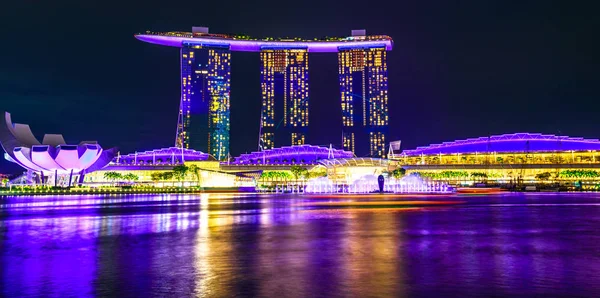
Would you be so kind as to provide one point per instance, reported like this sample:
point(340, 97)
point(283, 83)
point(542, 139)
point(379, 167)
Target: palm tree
point(166, 176)
point(130, 177)
point(156, 177)
point(112, 176)
point(398, 173)
point(179, 172)
point(297, 171)
point(479, 176)
point(194, 169)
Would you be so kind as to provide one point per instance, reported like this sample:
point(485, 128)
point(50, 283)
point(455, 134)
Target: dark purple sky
point(458, 69)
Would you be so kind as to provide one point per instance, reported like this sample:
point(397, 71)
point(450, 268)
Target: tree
point(156, 177)
point(276, 176)
point(194, 169)
point(543, 176)
point(265, 175)
point(179, 173)
point(444, 175)
point(317, 174)
point(285, 176)
point(166, 175)
point(479, 176)
point(398, 173)
point(131, 177)
point(298, 171)
point(112, 176)
point(579, 174)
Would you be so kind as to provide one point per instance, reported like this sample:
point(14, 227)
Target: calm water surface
point(222, 245)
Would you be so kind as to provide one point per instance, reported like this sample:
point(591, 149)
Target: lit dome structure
point(52, 155)
point(171, 155)
point(288, 155)
point(516, 142)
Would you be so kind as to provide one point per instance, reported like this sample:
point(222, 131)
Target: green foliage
point(161, 176)
point(444, 175)
point(112, 176)
point(298, 171)
point(398, 173)
point(166, 175)
point(479, 175)
point(130, 177)
point(316, 174)
point(543, 176)
point(578, 174)
point(195, 170)
point(494, 175)
point(180, 171)
point(275, 176)
point(156, 177)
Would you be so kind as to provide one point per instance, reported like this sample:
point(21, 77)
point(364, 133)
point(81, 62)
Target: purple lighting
point(299, 154)
point(256, 45)
point(517, 142)
point(52, 155)
point(171, 155)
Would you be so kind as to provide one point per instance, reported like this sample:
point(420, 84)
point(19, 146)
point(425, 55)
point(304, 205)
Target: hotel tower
point(203, 122)
point(284, 82)
point(364, 99)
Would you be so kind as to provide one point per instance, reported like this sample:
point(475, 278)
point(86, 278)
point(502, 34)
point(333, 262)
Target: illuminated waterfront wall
point(364, 100)
point(284, 84)
point(203, 122)
point(525, 156)
point(208, 175)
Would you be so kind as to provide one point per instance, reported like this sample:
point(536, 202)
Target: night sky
point(458, 69)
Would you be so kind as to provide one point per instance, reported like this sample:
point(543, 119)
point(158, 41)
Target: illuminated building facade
point(203, 122)
point(284, 83)
point(291, 155)
point(52, 158)
point(526, 157)
point(364, 99)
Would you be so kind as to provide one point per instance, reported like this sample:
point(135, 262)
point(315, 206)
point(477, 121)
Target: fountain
point(376, 184)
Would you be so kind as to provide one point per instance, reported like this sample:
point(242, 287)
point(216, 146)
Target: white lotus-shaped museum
point(52, 155)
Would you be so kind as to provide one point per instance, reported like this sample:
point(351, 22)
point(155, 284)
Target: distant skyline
point(458, 70)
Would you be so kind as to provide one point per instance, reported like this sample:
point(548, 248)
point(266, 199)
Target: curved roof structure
point(245, 44)
point(53, 154)
point(516, 142)
point(355, 162)
point(171, 155)
point(298, 154)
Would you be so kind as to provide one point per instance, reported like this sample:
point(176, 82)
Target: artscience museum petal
point(52, 155)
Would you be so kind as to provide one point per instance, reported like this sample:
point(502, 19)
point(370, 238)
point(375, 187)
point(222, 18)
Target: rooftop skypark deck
point(244, 43)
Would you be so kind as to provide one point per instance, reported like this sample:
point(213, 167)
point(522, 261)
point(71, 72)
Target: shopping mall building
point(508, 158)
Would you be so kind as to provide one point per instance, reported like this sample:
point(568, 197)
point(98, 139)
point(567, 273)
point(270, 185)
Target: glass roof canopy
point(306, 154)
point(354, 162)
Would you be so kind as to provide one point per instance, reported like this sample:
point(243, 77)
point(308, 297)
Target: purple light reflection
point(262, 246)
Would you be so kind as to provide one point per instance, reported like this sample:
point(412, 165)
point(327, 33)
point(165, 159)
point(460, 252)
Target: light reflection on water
point(257, 245)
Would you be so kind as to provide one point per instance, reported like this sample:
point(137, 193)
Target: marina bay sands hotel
point(203, 122)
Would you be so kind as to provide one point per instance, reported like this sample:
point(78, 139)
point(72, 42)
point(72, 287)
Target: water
point(282, 246)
